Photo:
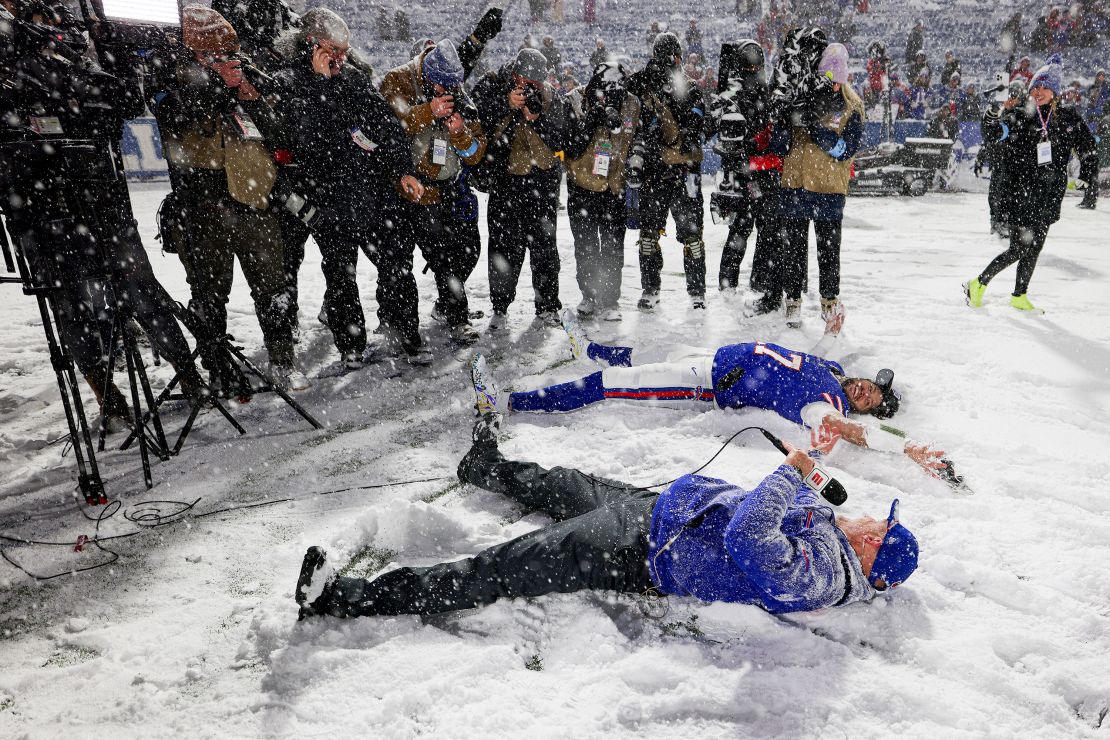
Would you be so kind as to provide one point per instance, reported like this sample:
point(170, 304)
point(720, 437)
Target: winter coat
point(915, 42)
point(213, 142)
point(516, 147)
point(818, 164)
point(404, 90)
point(590, 138)
point(949, 69)
point(1034, 192)
point(672, 117)
point(344, 137)
point(777, 547)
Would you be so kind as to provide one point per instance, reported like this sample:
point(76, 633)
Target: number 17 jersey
point(768, 376)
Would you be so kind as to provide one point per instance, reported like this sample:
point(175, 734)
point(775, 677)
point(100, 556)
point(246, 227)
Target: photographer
point(752, 171)
point(222, 174)
point(823, 134)
point(601, 138)
point(76, 228)
point(351, 153)
point(1035, 140)
point(666, 158)
point(427, 96)
point(526, 122)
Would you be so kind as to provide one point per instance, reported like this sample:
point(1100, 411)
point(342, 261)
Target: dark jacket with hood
point(344, 138)
point(518, 148)
point(1034, 192)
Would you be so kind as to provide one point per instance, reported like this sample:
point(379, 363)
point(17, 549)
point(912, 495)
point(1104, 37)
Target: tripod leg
point(88, 472)
point(277, 389)
point(137, 416)
point(106, 390)
point(160, 444)
point(188, 426)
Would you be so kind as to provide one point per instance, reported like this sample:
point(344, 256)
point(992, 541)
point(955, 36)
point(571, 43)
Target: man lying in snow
point(778, 547)
point(804, 388)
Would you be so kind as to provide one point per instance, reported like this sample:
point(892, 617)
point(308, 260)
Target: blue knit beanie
point(442, 65)
point(1050, 75)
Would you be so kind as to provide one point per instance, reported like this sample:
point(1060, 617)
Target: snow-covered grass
point(1004, 631)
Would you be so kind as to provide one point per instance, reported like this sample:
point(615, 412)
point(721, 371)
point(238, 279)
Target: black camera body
point(533, 98)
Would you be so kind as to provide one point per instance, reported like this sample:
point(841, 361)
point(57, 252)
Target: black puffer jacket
point(1034, 192)
point(345, 139)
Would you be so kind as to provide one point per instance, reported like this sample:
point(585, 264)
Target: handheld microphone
point(818, 479)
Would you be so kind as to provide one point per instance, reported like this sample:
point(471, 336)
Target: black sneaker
point(314, 584)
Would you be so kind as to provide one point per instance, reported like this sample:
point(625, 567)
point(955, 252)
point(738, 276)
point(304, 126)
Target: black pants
point(658, 197)
point(522, 213)
point(597, 221)
point(764, 218)
point(450, 246)
point(371, 226)
point(795, 261)
point(294, 234)
point(1026, 243)
point(599, 541)
point(996, 196)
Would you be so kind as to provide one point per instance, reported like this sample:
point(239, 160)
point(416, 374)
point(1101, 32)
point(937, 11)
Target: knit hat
point(442, 65)
point(834, 63)
point(1050, 75)
point(321, 24)
point(203, 29)
point(531, 65)
point(896, 558)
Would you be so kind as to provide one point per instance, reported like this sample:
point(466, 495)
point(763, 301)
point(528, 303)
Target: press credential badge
point(439, 151)
point(602, 155)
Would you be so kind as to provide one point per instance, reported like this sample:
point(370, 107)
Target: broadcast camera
point(64, 198)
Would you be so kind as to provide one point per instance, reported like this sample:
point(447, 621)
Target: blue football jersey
point(771, 377)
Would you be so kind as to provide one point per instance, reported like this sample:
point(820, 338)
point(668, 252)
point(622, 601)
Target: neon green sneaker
point(974, 290)
point(1021, 303)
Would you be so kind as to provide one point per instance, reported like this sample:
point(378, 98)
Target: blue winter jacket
point(777, 547)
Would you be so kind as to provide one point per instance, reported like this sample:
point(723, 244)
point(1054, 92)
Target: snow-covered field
point(1004, 631)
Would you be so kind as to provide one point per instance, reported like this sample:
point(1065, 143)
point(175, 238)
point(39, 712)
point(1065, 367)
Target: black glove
point(489, 26)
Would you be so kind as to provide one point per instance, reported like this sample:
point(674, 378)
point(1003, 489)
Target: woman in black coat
point(1035, 140)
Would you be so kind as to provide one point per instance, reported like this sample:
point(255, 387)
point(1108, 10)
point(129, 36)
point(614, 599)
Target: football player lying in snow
point(804, 388)
point(779, 546)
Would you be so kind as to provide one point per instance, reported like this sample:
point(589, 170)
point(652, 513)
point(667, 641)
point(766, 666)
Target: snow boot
point(794, 313)
point(546, 319)
point(314, 584)
point(1021, 303)
point(973, 291)
point(649, 300)
point(487, 430)
point(463, 334)
point(579, 342)
point(697, 302)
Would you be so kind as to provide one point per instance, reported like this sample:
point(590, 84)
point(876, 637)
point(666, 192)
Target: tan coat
point(403, 89)
point(672, 152)
point(809, 167)
point(581, 170)
point(250, 168)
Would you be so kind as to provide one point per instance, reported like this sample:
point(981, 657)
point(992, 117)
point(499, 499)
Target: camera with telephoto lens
point(464, 106)
point(634, 167)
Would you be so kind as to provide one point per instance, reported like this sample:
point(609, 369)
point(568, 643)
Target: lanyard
point(1044, 122)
